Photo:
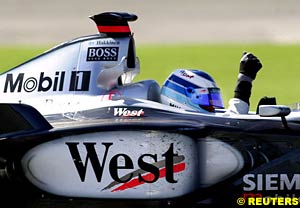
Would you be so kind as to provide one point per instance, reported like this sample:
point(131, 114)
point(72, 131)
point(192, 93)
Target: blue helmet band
point(182, 82)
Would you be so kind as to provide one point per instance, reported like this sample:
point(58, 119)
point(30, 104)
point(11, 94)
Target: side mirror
point(274, 110)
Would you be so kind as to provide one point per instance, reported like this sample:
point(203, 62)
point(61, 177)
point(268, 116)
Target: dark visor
point(206, 97)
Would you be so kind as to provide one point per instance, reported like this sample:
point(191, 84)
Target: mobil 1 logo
point(102, 54)
point(76, 81)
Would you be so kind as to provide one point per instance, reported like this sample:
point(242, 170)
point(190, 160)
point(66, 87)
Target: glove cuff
point(243, 77)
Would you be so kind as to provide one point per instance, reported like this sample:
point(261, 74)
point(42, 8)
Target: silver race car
point(76, 131)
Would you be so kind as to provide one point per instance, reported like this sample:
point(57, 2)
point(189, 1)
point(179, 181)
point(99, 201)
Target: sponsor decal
point(125, 112)
point(184, 74)
point(111, 95)
point(173, 105)
point(104, 42)
point(78, 81)
point(102, 54)
point(107, 42)
point(267, 190)
point(271, 182)
point(146, 172)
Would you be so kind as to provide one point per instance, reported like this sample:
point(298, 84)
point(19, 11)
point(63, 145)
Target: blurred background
point(168, 21)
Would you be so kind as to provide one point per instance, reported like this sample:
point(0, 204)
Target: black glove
point(249, 65)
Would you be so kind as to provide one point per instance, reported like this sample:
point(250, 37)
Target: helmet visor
point(216, 98)
point(205, 96)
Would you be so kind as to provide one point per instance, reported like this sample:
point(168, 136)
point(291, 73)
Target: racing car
point(76, 131)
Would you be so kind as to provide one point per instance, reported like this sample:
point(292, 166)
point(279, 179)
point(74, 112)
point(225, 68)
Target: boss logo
point(102, 54)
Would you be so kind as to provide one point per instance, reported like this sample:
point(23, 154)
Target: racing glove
point(250, 65)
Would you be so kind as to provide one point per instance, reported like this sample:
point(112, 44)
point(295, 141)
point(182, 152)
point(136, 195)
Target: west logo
point(78, 81)
point(102, 54)
point(146, 172)
point(128, 113)
point(183, 73)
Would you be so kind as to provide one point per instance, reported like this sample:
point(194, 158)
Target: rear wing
point(16, 119)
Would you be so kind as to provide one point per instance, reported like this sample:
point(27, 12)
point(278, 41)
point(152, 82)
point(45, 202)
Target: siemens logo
point(271, 182)
point(78, 81)
point(102, 54)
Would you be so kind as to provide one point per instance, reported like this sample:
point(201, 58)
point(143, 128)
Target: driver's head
point(191, 90)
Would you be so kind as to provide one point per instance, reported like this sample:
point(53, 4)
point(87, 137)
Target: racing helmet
point(191, 90)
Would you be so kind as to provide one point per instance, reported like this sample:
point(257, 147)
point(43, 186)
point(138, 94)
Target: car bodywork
point(68, 138)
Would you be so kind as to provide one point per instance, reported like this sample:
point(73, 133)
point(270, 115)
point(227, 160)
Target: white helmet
point(191, 90)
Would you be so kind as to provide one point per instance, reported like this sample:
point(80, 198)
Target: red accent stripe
point(162, 173)
point(113, 29)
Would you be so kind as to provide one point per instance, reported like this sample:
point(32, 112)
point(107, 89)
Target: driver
point(197, 90)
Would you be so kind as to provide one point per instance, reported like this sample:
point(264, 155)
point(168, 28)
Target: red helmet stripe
point(114, 29)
